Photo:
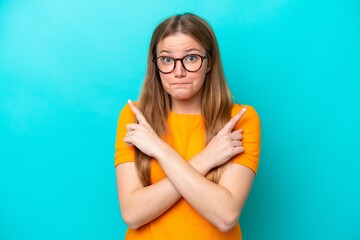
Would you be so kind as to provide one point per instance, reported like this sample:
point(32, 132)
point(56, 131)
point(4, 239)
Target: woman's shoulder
point(250, 110)
point(127, 113)
point(126, 108)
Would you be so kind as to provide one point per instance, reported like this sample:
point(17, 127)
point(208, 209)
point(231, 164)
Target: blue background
point(68, 67)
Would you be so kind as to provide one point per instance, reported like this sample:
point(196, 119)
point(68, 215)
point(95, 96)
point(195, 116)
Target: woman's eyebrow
point(186, 51)
point(192, 49)
point(165, 51)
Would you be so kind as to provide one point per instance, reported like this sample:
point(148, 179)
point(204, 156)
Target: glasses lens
point(192, 62)
point(165, 64)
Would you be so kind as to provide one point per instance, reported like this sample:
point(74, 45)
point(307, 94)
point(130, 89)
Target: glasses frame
point(182, 62)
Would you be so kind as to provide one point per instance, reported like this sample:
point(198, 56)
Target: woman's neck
point(185, 106)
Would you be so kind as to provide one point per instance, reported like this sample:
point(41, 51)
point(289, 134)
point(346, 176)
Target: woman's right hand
point(142, 135)
point(227, 143)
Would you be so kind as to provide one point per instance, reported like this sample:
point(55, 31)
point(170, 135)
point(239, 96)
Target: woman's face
point(181, 84)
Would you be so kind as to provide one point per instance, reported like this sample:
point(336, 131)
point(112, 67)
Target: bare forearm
point(212, 201)
point(145, 204)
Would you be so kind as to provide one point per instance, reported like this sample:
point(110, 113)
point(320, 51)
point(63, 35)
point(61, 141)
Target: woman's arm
point(140, 205)
point(220, 203)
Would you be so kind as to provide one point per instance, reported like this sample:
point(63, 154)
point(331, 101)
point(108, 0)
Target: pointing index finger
point(138, 114)
point(231, 124)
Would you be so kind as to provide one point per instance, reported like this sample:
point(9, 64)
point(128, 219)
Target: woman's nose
point(179, 69)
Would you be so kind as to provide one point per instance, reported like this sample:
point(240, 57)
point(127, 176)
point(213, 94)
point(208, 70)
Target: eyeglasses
point(191, 63)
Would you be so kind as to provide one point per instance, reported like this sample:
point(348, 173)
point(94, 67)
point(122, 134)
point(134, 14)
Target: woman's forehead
point(179, 42)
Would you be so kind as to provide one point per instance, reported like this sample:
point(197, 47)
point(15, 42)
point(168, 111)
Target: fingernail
point(244, 109)
point(129, 101)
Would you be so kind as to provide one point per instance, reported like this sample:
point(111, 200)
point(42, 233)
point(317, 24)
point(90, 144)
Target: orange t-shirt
point(186, 135)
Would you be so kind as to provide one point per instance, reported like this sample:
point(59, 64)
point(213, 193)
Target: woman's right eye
point(166, 60)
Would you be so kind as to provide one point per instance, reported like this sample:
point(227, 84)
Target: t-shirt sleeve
point(123, 152)
point(250, 123)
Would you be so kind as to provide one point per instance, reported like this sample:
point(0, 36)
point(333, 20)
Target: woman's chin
point(181, 97)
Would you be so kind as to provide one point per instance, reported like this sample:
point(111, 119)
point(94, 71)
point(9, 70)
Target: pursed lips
point(179, 83)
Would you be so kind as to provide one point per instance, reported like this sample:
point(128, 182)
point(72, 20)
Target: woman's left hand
point(142, 135)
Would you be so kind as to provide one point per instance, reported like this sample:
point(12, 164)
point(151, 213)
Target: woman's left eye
point(191, 58)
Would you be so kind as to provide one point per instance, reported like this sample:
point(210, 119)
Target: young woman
point(186, 156)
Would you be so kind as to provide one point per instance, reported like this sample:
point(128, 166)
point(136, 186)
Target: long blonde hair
point(216, 103)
